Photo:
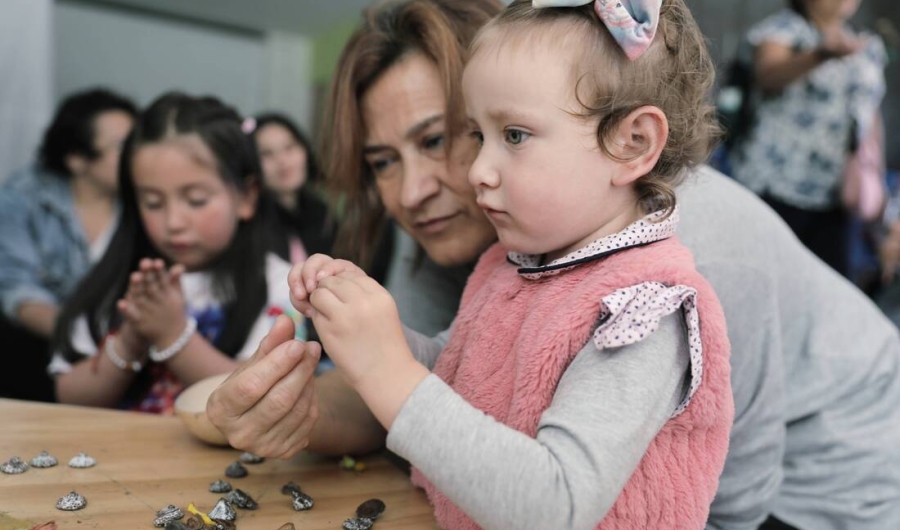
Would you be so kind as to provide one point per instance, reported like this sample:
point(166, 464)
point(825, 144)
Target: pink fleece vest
point(513, 338)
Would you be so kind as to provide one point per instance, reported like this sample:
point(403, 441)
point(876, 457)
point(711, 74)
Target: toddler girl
point(585, 381)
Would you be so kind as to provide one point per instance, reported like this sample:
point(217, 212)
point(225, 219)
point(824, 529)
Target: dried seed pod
point(358, 523)
point(71, 502)
point(14, 466)
point(236, 470)
point(178, 525)
point(44, 460)
point(167, 514)
point(371, 509)
point(220, 486)
point(82, 461)
point(222, 511)
point(225, 525)
point(290, 488)
point(250, 458)
point(241, 500)
point(194, 522)
point(301, 501)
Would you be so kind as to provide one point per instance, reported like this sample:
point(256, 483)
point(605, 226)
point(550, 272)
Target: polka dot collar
point(651, 228)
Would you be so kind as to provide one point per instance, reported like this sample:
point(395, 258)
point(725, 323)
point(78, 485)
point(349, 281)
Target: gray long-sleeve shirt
point(608, 407)
point(815, 368)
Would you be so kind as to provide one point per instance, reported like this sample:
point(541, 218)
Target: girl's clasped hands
point(153, 308)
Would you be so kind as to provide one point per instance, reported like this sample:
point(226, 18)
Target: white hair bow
point(632, 23)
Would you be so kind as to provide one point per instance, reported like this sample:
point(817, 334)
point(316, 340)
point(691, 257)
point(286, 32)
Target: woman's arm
point(777, 65)
point(24, 299)
point(38, 317)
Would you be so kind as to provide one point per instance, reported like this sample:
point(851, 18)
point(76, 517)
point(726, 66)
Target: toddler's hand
point(305, 277)
point(359, 326)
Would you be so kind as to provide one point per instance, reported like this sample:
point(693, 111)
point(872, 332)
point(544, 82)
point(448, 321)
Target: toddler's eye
point(478, 137)
point(515, 136)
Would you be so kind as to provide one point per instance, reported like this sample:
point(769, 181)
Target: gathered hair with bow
point(627, 54)
point(632, 23)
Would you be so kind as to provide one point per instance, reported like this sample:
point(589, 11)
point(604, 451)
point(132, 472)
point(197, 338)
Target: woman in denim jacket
point(56, 218)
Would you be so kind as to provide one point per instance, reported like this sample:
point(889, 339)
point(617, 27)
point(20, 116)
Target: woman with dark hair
point(187, 288)
point(56, 218)
point(290, 172)
point(819, 85)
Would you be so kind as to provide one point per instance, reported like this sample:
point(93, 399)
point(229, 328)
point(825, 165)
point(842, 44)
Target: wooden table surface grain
point(145, 462)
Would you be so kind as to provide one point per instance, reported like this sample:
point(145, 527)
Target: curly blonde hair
point(675, 75)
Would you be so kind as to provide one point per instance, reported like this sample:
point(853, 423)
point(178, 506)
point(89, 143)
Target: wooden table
point(146, 462)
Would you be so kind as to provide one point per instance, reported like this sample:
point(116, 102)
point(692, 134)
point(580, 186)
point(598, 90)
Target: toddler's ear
point(642, 136)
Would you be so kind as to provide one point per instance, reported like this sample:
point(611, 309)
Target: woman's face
point(422, 187)
point(283, 159)
point(110, 130)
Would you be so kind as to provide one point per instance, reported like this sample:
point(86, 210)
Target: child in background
point(186, 288)
point(290, 172)
point(585, 382)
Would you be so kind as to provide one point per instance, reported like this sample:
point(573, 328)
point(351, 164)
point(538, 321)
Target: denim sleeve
point(20, 263)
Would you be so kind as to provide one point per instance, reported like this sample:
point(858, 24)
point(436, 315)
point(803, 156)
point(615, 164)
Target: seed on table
point(71, 502)
point(358, 523)
point(301, 501)
point(241, 500)
point(14, 466)
point(82, 461)
point(236, 470)
point(222, 511)
point(166, 515)
point(290, 488)
point(371, 509)
point(44, 460)
point(250, 458)
point(220, 486)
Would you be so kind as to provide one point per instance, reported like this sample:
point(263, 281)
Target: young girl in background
point(290, 173)
point(585, 382)
point(186, 288)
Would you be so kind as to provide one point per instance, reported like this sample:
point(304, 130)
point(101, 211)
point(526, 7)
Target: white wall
point(25, 87)
point(288, 74)
point(144, 55)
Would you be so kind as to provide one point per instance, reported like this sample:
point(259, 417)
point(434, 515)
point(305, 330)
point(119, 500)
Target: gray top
point(816, 370)
point(608, 407)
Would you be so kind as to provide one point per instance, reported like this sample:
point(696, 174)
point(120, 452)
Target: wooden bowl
point(190, 406)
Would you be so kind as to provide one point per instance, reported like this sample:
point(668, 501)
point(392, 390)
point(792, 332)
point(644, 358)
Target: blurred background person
point(56, 220)
point(819, 85)
point(290, 173)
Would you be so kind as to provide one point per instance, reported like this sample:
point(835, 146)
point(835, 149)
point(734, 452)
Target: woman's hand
point(837, 43)
point(268, 406)
point(154, 304)
point(304, 277)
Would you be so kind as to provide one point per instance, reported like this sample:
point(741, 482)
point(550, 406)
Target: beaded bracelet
point(161, 356)
point(110, 348)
